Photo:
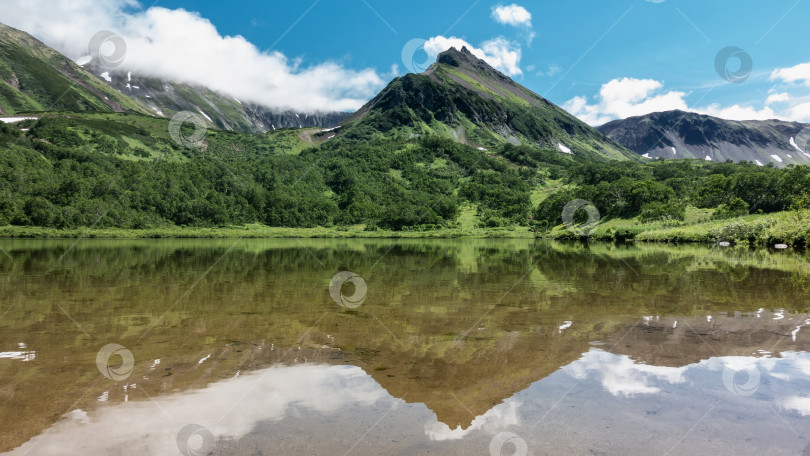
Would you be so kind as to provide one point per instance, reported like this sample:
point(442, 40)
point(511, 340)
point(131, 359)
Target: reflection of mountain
point(253, 412)
point(459, 388)
point(424, 297)
point(676, 341)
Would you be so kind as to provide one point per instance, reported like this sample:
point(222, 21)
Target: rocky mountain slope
point(679, 134)
point(165, 98)
point(462, 97)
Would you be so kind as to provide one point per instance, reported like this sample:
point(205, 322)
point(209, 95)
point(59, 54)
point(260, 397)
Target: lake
point(412, 347)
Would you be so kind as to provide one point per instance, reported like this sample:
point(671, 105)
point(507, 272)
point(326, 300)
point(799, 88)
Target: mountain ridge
point(165, 98)
point(680, 134)
point(464, 98)
point(35, 77)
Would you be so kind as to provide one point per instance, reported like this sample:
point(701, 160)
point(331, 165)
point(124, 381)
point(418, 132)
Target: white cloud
point(781, 97)
point(628, 97)
point(622, 376)
point(799, 73)
point(625, 97)
point(183, 46)
point(799, 111)
point(514, 15)
point(499, 52)
point(737, 112)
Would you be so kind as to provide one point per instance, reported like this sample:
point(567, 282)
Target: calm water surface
point(468, 347)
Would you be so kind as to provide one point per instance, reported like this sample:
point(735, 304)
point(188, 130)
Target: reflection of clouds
point(800, 361)
point(499, 417)
point(150, 427)
point(740, 363)
point(798, 404)
point(621, 375)
point(792, 370)
point(336, 393)
point(791, 366)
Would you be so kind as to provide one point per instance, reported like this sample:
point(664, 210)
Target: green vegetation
point(653, 201)
point(121, 175)
point(256, 231)
point(124, 171)
point(34, 77)
point(465, 100)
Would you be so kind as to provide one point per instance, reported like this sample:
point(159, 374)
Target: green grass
point(256, 231)
point(467, 218)
point(789, 227)
point(288, 140)
point(543, 191)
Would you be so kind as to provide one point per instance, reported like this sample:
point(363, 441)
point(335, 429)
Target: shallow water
point(451, 347)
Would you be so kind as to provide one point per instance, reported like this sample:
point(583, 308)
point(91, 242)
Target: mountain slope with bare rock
point(679, 134)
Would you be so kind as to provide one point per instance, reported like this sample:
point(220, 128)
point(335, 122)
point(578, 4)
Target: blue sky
point(599, 59)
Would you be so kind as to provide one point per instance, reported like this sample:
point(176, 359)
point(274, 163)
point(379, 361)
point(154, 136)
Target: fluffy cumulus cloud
point(788, 99)
point(183, 46)
point(797, 74)
point(795, 79)
point(627, 97)
point(781, 97)
point(498, 52)
point(514, 15)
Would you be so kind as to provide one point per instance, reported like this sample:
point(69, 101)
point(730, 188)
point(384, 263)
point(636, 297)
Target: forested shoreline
point(122, 171)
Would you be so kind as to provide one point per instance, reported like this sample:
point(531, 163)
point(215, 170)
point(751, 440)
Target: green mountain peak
point(462, 97)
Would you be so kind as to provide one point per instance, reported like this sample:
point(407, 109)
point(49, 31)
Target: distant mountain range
point(678, 134)
point(459, 97)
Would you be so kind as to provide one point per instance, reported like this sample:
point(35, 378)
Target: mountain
point(678, 134)
point(34, 77)
point(165, 98)
point(462, 97)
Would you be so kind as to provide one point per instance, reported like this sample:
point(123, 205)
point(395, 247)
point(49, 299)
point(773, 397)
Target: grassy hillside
point(71, 170)
point(462, 98)
point(787, 227)
point(34, 77)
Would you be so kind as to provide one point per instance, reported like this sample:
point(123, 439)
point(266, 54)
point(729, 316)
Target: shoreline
point(258, 232)
point(788, 228)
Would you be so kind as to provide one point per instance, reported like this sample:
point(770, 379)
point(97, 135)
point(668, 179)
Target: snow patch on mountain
point(16, 119)
point(204, 114)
